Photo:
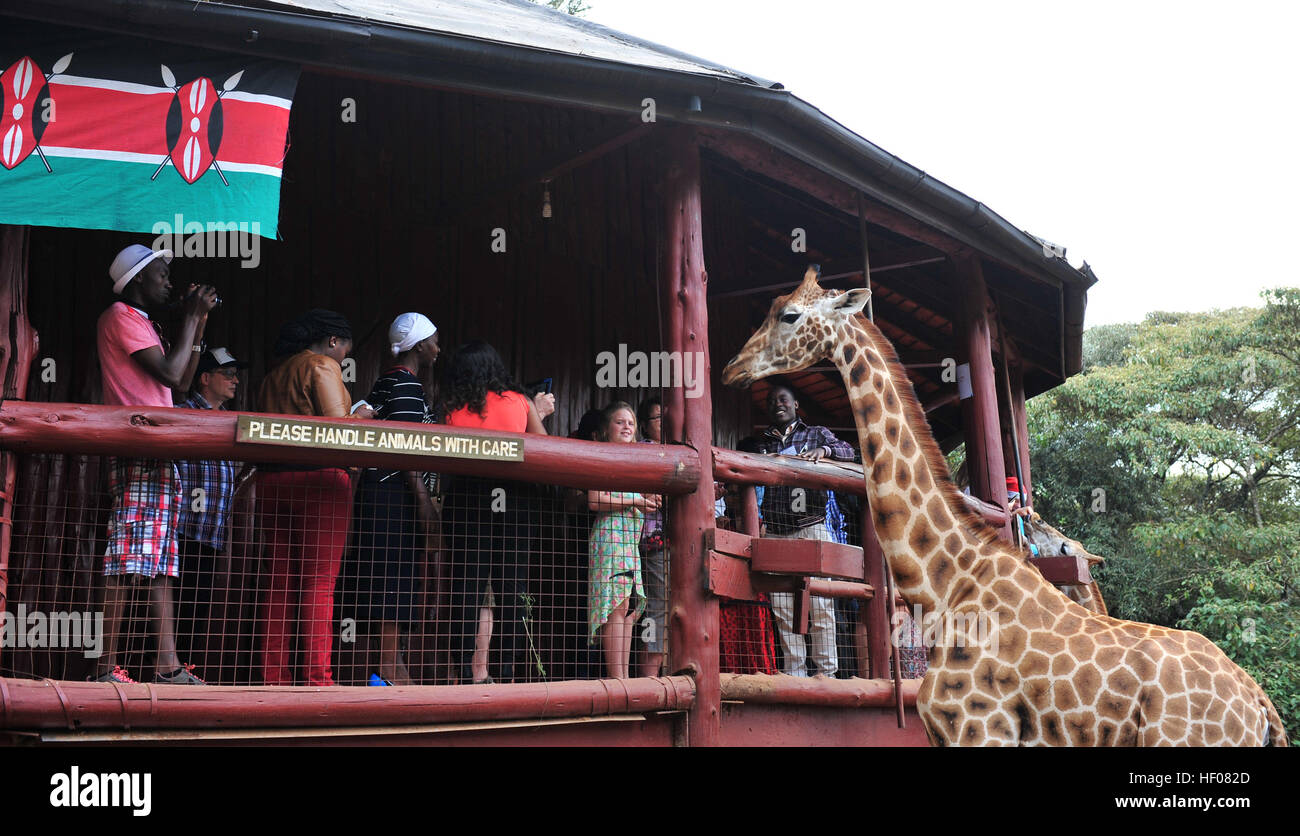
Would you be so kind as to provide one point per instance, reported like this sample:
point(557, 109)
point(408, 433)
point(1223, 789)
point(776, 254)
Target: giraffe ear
point(852, 301)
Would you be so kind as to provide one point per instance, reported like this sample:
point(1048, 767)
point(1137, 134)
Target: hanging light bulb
point(546, 198)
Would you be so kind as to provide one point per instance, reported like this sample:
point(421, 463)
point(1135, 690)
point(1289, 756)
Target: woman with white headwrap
point(394, 509)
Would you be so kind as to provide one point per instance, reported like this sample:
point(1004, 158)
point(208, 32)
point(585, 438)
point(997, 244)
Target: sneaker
point(181, 676)
point(117, 674)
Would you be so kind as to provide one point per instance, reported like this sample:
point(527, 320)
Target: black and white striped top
point(398, 395)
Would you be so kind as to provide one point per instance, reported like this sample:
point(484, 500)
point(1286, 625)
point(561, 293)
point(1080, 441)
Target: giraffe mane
point(984, 533)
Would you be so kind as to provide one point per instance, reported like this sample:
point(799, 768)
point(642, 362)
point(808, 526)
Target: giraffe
point(1054, 673)
point(1050, 543)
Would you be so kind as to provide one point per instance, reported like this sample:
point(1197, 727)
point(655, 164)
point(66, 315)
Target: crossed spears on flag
point(22, 84)
point(196, 104)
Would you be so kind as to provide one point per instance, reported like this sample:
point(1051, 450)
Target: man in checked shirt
point(208, 487)
point(799, 514)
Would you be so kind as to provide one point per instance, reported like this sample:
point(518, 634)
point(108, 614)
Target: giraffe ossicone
point(1056, 674)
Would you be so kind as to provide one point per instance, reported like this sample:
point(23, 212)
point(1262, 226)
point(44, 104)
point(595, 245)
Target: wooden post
point(877, 609)
point(980, 423)
point(693, 618)
point(17, 349)
point(1020, 417)
point(750, 522)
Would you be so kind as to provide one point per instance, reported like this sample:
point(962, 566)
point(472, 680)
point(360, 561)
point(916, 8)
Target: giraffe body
point(1053, 673)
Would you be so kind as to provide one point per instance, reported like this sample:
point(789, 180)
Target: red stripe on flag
point(111, 120)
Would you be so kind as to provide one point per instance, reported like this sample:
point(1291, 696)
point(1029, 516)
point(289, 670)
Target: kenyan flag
point(106, 132)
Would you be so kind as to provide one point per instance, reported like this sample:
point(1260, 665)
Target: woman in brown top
point(304, 512)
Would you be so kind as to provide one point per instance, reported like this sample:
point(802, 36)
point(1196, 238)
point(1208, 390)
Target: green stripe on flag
point(108, 194)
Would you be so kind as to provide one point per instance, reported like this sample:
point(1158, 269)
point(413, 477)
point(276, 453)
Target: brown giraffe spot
point(1106, 638)
point(916, 498)
point(1080, 727)
point(848, 354)
point(1107, 733)
point(984, 574)
point(1108, 657)
point(1052, 729)
point(963, 590)
point(868, 410)
point(1063, 696)
point(878, 381)
point(1063, 665)
point(1176, 706)
point(1199, 679)
point(903, 477)
point(891, 430)
point(965, 557)
point(951, 544)
point(1142, 666)
point(1113, 706)
point(1068, 624)
point(1088, 682)
point(1031, 618)
point(1080, 646)
point(873, 446)
point(947, 718)
point(1004, 589)
point(983, 679)
point(1006, 566)
point(1025, 719)
point(1011, 640)
point(951, 687)
point(1048, 643)
point(1051, 602)
point(891, 514)
point(857, 372)
point(907, 445)
point(1039, 693)
point(891, 400)
point(1233, 727)
point(1128, 735)
point(989, 549)
point(923, 479)
point(1153, 702)
point(999, 728)
point(923, 541)
point(1034, 664)
point(1171, 675)
point(938, 513)
point(988, 600)
point(1213, 734)
point(1200, 702)
point(972, 732)
point(883, 467)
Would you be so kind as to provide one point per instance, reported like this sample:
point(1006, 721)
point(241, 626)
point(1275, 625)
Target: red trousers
point(304, 516)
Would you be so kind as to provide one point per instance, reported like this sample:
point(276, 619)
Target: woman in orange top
point(490, 546)
point(304, 512)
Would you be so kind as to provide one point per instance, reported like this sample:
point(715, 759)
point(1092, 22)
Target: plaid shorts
point(143, 526)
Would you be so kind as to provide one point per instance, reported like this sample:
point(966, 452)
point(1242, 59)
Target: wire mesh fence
point(278, 575)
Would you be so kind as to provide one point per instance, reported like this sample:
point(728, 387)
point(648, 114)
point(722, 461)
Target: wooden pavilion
point(644, 198)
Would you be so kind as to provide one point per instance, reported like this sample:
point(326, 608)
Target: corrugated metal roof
point(522, 23)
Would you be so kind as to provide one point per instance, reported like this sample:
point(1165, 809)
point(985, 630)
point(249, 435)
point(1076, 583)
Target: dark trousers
point(488, 547)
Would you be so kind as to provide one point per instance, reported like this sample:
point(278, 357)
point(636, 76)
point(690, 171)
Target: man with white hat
point(207, 491)
point(140, 369)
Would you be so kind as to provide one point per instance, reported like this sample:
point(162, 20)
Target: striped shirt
point(398, 395)
point(203, 516)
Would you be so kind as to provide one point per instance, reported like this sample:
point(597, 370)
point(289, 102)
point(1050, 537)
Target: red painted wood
point(750, 522)
point(877, 609)
point(753, 469)
point(807, 557)
point(841, 589)
point(1021, 418)
point(811, 726)
point(729, 577)
point(207, 434)
point(818, 690)
point(694, 615)
point(731, 542)
point(1063, 569)
point(33, 704)
point(985, 462)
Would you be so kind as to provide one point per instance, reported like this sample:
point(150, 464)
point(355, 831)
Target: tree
point(1189, 426)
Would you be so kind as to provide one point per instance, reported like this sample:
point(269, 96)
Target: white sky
point(1159, 141)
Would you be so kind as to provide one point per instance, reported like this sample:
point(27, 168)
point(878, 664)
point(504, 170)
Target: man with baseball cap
point(207, 491)
point(139, 368)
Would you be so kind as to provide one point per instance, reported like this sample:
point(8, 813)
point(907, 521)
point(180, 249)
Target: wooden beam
point(693, 618)
point(759, 157)
point(827, 281)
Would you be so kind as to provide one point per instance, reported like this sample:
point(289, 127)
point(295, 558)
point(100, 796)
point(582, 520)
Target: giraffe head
point(800, 329)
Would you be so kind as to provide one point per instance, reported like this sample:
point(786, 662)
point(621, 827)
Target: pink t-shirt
point(122, 331)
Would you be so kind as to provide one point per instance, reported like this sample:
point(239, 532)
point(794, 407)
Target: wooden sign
point(379, 437)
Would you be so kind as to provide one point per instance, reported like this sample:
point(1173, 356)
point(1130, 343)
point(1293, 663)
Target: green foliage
point(1189, 425)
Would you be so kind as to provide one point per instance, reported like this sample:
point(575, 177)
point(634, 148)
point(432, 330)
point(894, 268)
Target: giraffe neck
point(940, 554)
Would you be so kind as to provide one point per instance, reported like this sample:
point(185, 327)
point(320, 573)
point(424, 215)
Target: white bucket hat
point(131, 261)
point(407, 330)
